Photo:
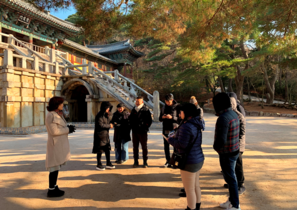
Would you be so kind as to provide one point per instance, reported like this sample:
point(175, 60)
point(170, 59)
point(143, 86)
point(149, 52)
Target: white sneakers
point(100, 168)
point(228, 206)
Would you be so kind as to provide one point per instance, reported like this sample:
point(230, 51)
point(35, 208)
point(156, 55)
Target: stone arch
point(76, 91)
point(73, 83)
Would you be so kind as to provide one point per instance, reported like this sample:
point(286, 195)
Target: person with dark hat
point(188, 139)
point(122, 130)
point(101, 135)
point(140, 120)
point(226, 143)
point(169, 117)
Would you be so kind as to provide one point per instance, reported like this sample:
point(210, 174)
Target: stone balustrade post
point(52, 55)
point(84, 69)
point(8, 58)
point(24, 63)
point(156, 109)
point(36, 63)
point(90, 67)
point(116, 75)
point(56, 68)
point(10, 39)
point(47, 49)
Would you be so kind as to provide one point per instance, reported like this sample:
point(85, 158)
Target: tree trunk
point(221, 85)
point(230, 89)
point(249, 91)
point(286, 87)
point(270, 85)
point(239, 79)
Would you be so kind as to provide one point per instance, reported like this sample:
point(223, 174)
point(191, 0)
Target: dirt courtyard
point(270, 169)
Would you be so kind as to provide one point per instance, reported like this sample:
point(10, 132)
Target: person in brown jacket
point(58, 151)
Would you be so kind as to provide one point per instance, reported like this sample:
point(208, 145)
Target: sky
point(63, 13)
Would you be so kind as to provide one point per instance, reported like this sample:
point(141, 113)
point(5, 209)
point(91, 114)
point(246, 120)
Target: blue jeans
point(121, 150)
point(228, 167)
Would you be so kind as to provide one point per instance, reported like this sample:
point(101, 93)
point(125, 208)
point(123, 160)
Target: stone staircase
point(117, 86)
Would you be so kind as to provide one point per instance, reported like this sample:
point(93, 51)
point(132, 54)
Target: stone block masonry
point(24, 95)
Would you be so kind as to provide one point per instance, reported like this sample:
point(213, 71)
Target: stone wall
point(24, 95)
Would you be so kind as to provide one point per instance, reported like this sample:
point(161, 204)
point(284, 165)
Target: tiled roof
point(23, 6)
point(115, 47)
point(86, 50)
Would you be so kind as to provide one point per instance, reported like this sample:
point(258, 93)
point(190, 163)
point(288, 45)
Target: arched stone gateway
point(82, 98)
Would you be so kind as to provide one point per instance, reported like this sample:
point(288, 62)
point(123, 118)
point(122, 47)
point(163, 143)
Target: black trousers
point(107, 156)
point(166, 149)
point(142, 139)
point(53, 176)
point(239, 170)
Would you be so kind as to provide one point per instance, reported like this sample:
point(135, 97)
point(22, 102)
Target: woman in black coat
point(101, 135)
point(122, 130)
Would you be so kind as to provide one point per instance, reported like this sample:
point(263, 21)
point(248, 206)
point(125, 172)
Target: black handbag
point(179, 160)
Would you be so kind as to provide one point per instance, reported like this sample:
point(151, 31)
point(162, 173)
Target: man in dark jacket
point(226, 143)
point(140, 120)
point(121, 135)
point(101, 135)
point(169, 117)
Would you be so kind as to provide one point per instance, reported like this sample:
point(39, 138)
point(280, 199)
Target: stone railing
point(20, 43)
point(120, 87)
point(11, 60)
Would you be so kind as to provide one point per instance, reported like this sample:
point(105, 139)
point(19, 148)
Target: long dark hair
point(54, 103)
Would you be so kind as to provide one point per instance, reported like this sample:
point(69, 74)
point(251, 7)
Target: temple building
point(37, 62)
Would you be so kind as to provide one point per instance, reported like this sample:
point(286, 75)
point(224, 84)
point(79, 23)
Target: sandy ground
point(269, 161)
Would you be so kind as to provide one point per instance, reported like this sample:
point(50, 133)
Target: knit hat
point(190, 110)
point(221, 102)
point(193, 100)
point(169, 97)
point(120, 105)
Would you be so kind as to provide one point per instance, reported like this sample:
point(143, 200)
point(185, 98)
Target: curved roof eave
point(17, 4)
point(86, 50)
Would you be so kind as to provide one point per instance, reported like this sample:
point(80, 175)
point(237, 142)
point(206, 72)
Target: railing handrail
point(20, 42)
point(63, 59)
point(20, 56)
point(2, 34)
point(147, 93)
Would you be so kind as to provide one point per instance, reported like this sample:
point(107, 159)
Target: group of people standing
point(182, 128)
point(139, 121)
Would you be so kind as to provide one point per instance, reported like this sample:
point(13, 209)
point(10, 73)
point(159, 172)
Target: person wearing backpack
point(188, 139)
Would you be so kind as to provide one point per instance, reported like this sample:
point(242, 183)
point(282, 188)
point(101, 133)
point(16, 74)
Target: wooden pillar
point(131, 72)
point(31, 41)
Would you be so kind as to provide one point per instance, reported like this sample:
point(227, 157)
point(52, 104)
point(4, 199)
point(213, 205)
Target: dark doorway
point(80, 109)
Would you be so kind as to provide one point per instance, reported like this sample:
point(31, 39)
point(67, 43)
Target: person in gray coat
point(239, 165)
